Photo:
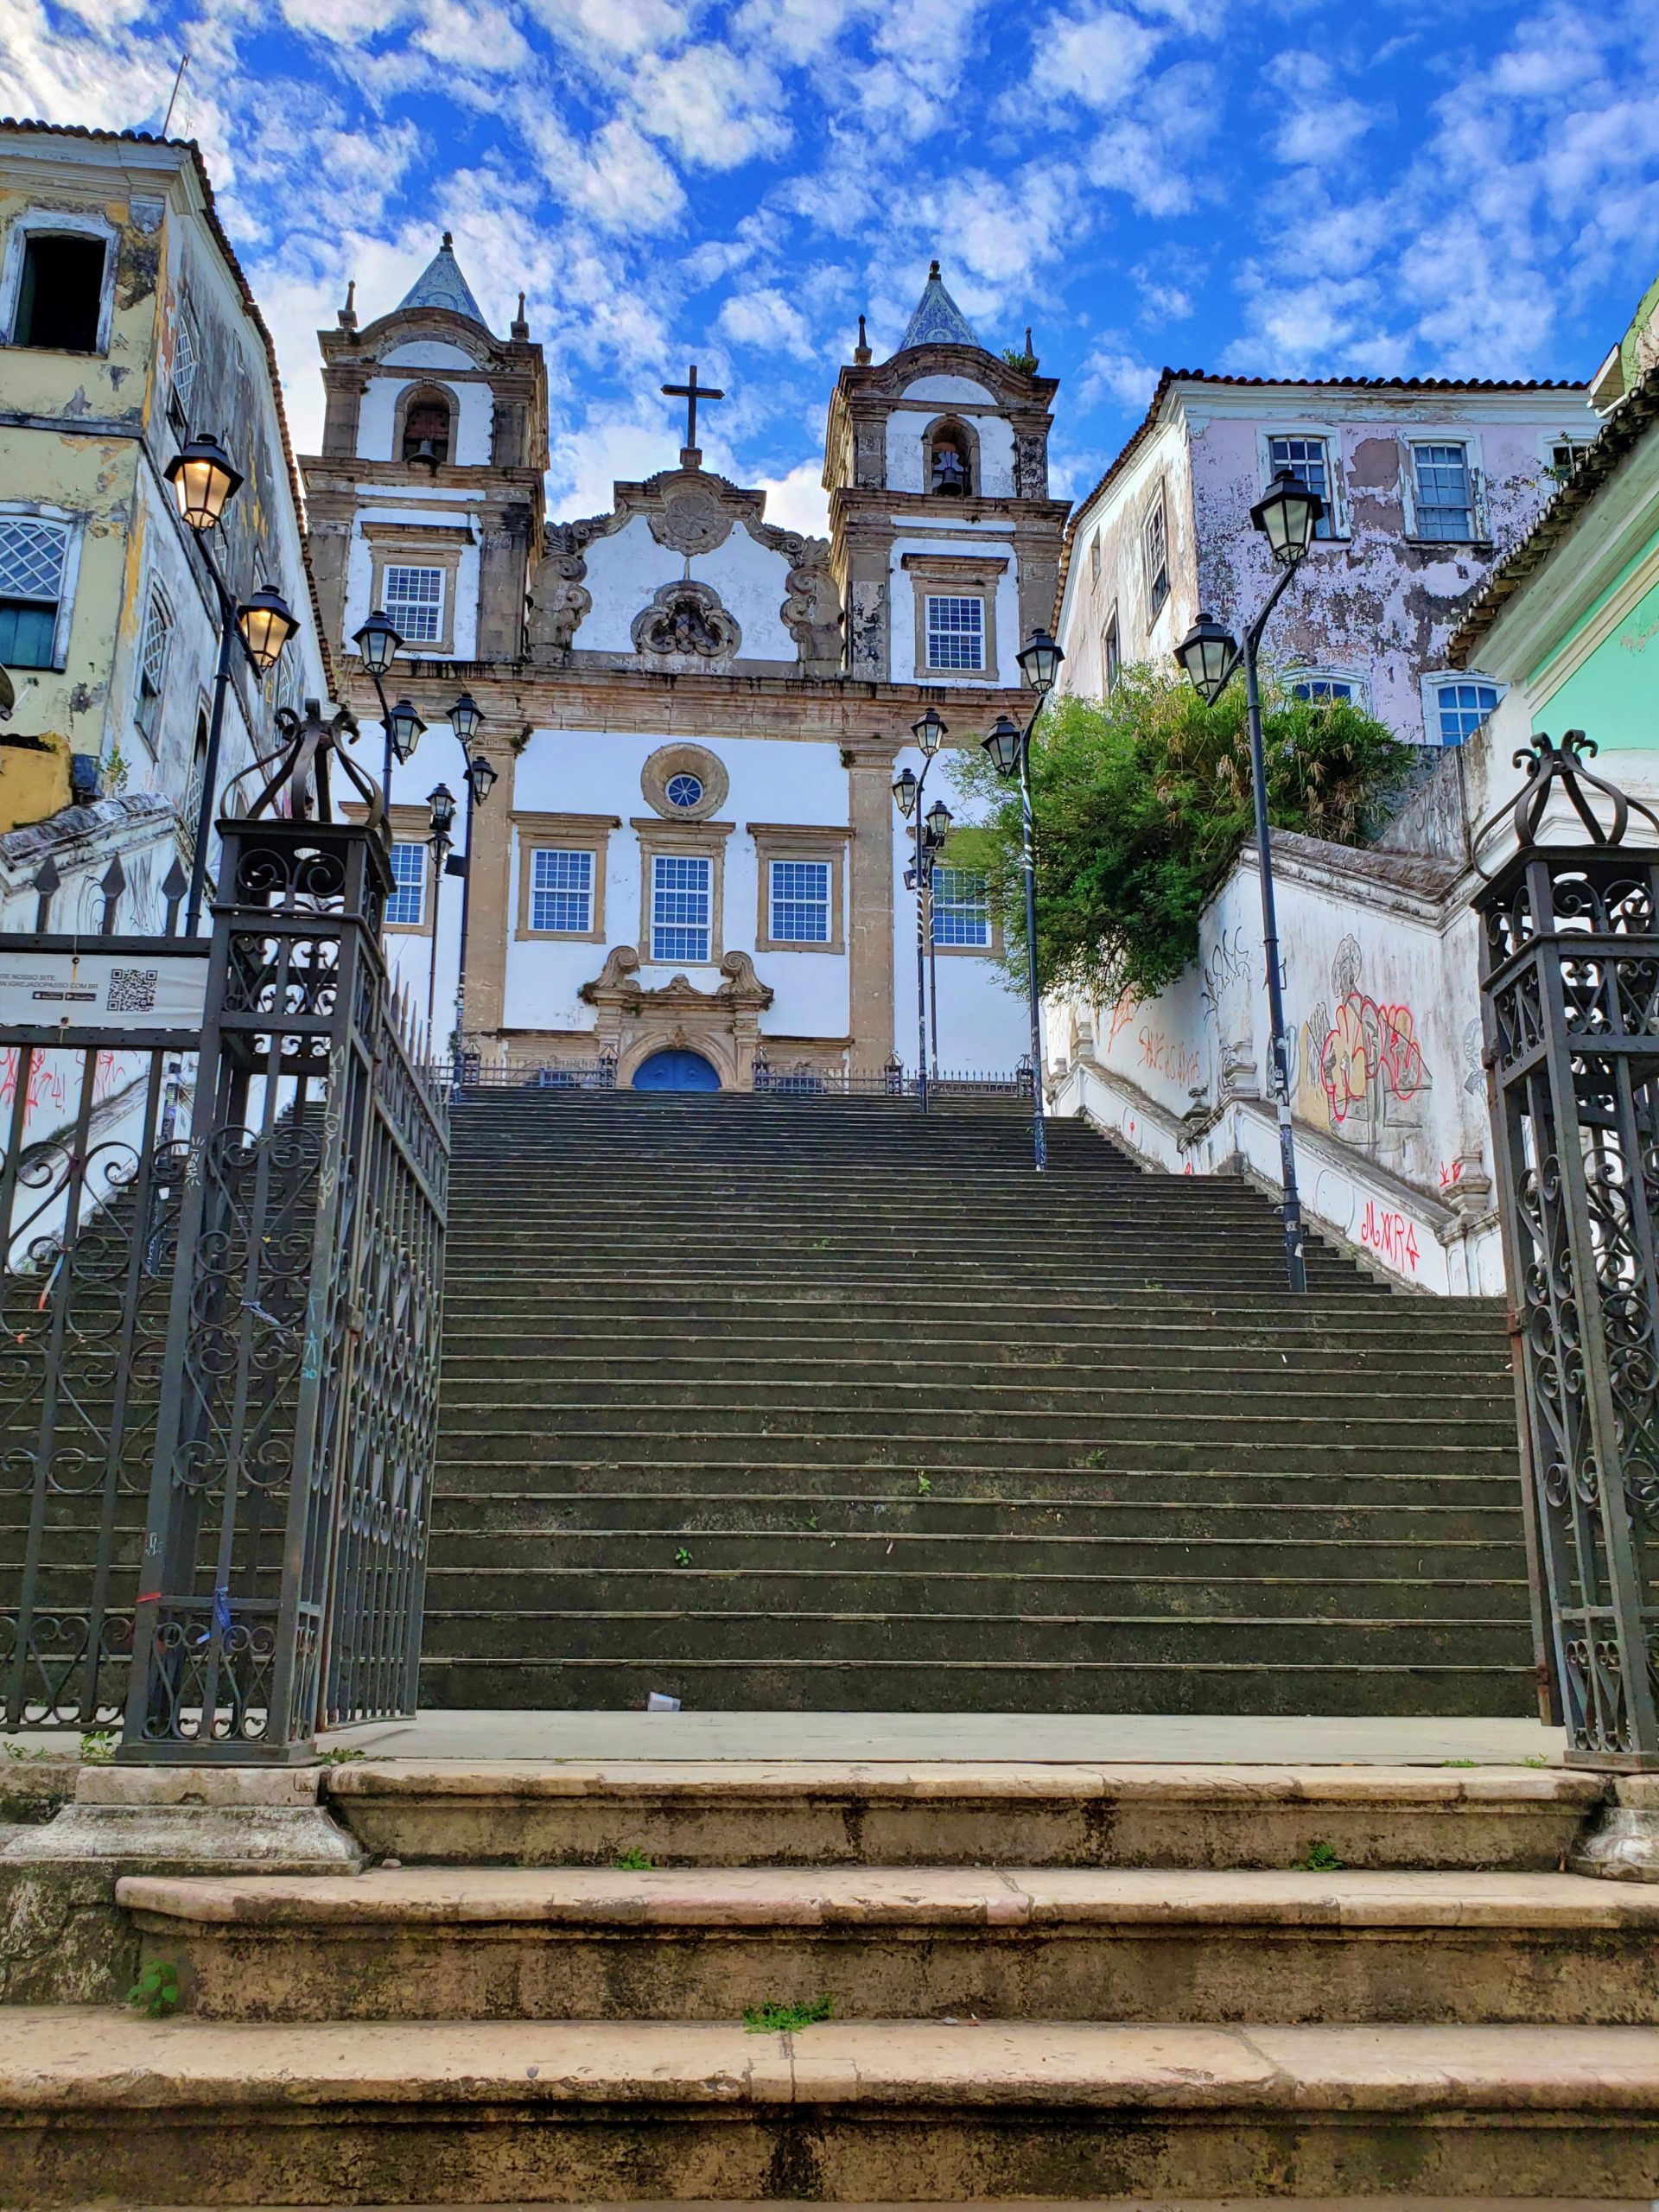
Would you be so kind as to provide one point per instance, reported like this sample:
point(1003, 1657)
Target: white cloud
point(765, 318)
point(1110, 372)
point(1097, 58)
point(717, 110)
point(798, 500)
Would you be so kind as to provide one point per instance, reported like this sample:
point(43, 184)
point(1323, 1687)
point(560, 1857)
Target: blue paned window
point(1308, 462)
point(1445, 506)
point(406, 907)
point(800, 902)
point(33, 554)
point(955, 633)
point(1460, 708)
point(681, 905)
point(962, 907)
point(562, 892)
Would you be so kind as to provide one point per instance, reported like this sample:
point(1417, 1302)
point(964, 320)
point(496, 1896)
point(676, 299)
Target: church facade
point(691, 865)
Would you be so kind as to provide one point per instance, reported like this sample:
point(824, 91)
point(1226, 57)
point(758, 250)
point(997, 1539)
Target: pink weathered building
point(1427, 483)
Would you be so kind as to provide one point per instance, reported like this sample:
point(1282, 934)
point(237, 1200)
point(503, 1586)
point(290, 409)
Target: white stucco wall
point(359, 571)
point(909, 430)
point(626, 570)
point(986, 542)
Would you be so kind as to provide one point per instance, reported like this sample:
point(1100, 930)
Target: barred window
point(1155, 538)
point(406, 907)
point(1460, 708)
point(33, 556)
point(185, 361)
point(1444, 507)
point(562, 892)
point(800, 902)
point(955, 633)
point(152, 666)
point(1309, 462)
point(962, 907)
point(413, 599)
point(681, 903)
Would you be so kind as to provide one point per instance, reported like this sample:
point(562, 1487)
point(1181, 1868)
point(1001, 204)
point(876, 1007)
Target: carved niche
point(686, 627)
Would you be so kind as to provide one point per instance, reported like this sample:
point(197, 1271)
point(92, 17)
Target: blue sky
point(1382, 187)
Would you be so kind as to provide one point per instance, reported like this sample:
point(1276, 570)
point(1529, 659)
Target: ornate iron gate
point(1570, 993)
point(90, 1182)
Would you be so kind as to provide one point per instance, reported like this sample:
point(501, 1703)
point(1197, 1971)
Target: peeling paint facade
point(1426, 486)
point(88, 524)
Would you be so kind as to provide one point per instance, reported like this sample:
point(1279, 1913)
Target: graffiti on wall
point(1169, 1057)
point(1362, 1074)
point(1391, 1236)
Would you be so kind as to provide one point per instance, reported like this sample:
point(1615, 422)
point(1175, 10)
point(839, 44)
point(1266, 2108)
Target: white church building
point(690, 864)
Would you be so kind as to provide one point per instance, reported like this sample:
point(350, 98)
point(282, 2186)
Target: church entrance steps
point(722, 1372)
point(883, 1811)
point(1057, 1944)
point(100, 2106)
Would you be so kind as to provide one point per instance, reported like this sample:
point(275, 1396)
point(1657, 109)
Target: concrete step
point(1045, 1945)
point(97, 2104)
point(895, 1813)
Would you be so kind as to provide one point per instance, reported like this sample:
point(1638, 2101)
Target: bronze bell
point(949, 475)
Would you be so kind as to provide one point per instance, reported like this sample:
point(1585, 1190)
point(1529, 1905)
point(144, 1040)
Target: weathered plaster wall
point(1120, 585)
point(470, 423)
point(1379, 960)
point(626, 569)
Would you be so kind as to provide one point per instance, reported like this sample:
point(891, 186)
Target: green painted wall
point(1615, 696)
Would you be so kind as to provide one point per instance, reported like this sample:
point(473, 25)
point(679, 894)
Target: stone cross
point(691, 391)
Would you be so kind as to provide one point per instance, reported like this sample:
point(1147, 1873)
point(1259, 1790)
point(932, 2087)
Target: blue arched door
point(674, 1069)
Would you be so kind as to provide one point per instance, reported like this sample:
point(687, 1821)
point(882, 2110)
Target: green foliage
point(923, 1485)
point(784, 2019)
point(98, 1747)
point(682, 1558)
point(1321, 1859)
point(1142, 803)
point(156, 1990)
point(634, 1861)
point(341, 1756)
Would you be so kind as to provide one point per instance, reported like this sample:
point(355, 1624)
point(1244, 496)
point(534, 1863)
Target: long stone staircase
point(799, 1403)
point(577, 1984)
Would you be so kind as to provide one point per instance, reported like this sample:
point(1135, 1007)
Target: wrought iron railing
point(474, 1073)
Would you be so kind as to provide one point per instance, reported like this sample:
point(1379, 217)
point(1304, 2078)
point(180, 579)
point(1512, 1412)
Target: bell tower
point(428, 496)
point(945, 543)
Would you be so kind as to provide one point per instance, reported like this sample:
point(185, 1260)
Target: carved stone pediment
point(617, 985)
point(690, 519)
point(686, 628)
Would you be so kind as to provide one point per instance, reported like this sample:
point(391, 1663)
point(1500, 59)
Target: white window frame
point(1359, 686)
point(392, 603)
point(1336, 491)
point(1157, 513)
point(1580, 441)
point(158, 611)
point(1431, 685)
point(35, 222)
point(185, 335)
point(1478, 534)
point(658, 860)
point(975, 600)
point(418, 845)
point(34, 510)
point(940, 904)
point(533, 854)
point(1111, 628)
point(774, 935)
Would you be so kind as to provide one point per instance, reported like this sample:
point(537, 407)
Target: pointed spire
point(862, 350)
point(520, 328)
point(348, 313)
point(937, 319)
point(440, 284)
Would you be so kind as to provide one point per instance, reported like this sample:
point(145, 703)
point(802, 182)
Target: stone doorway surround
point(722, 1024)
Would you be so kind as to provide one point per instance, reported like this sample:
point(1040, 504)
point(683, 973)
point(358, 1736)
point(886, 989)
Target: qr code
point(132, 990)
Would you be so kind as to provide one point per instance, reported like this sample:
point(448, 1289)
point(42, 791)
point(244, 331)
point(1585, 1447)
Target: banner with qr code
point(147, 990)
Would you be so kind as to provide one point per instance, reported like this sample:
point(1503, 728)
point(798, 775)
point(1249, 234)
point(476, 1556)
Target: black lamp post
point(377, 645)
point(929, 733)
point(1286, 515)
point(1009, 748)
point(204, 483)
point(466, 718)
point(440, 812)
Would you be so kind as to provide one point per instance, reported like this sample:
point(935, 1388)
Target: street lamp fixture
point(480, 779)
point(441, 812)
point(404, 730)
point(466, 717)
point(267, 622)
point(1208, 655)
point(938, 823)
point(1287, 515)
point(1009, 748)
point(378, 643)
point(440, 806)
point(1001, 742)
point(1040, 662)
point(203, 481)
point(930, 732)
point(904, 788)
